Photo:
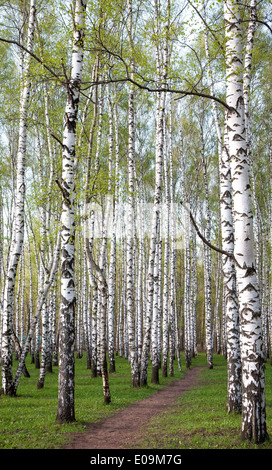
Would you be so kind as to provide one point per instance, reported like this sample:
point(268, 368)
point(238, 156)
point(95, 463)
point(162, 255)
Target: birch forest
point(135, 193)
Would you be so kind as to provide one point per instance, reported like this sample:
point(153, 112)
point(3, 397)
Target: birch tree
point(165, 306)
point(252, 354)
point(19, 219)
point(50, 278)
point(66, 411)
point(162, 69)
point(228, 266)
point(130, 219)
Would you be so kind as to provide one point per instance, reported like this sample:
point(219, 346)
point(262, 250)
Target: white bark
point(187, 260)
point(47, 284)
point(252, 354)
point(207, 264)
point(231, 304)
point(172, 270)
point(113, 125)
point(45, 312)
point(162, 70)
point(231, 308)
point(165, 316)
point(193, 294)
point(19, 217)
point(103, 291)
point(66, 411)
point(130, 298)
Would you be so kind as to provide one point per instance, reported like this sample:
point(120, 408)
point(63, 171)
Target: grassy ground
point(27, 421)
point(198, 420)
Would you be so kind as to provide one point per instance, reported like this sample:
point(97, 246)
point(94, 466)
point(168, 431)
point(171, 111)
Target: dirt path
point(124, 427)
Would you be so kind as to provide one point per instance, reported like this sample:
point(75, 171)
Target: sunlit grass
point(28, 421)
point(199, 418)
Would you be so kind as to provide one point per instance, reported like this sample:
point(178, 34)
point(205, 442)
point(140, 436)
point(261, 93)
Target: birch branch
point(38, 59)
point(99, 271)
point(210, 245)
point(126, 79)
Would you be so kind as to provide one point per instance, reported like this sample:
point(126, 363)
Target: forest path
point(124, 428)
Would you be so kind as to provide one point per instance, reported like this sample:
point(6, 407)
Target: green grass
point(28, 421)
point(199, 419)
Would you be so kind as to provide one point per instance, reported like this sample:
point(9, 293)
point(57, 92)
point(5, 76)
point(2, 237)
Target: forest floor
point(123, 429)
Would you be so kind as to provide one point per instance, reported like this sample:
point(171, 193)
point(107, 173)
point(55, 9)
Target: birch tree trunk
point(187, 260)
point(172, 267)
point(193, 293)
point(44, 317)
point(234, 394)
point(165, 315)
point(252, 355)
point(135, 379)
point(103, 288)
point(113, 117)
point(1, 253)
point(66, 411)
point(153, 242)
point(30, 294)
point(162, 69)
point(47, 284)
point(93, 283)
point(207, 263)
point(86, 312)
point(230, 302)
point(18, 223)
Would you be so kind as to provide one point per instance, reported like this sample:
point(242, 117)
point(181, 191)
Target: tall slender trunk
point(86, 313)
point(165, 323)
point(103, 291)
point(93, 283)
point(153, 242)
point(19, 219)
point(234, 394)
point(207, 263)
point(79, 319)
point(30, 313)
point(193, 294)
point(45, 313)
point(187, 260)
point(17, 303)
point(47, 284)
point(130, 298)
point(66, 410)
point(113, 189)
point(270, 264)
point(162, 70)
point(1, 250)
point(252, 354)
point(231, 308)
point(172, 262)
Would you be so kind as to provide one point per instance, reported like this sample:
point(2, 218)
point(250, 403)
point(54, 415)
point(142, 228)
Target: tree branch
point(215, 248)
point(38, 59)
point(63, 190)
point(153, 90)
point(99, 271)
point(127, 79)
point(57, 139)
point(207, 26)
